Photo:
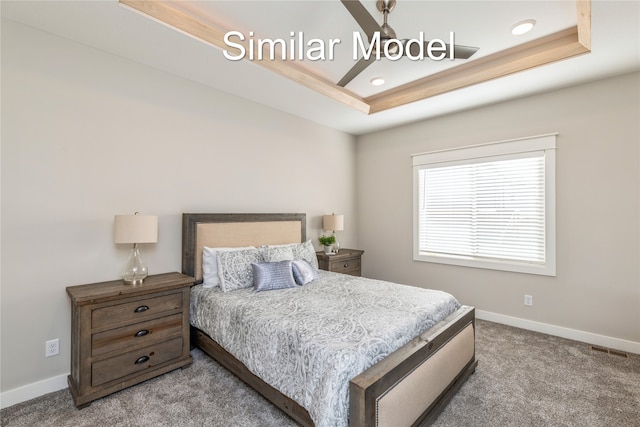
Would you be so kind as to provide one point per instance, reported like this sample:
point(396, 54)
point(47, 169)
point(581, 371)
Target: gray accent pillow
point(303, 272)
point(268, 276)
point(234, 268)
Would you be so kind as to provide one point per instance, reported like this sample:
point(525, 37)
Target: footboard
point(412, 385)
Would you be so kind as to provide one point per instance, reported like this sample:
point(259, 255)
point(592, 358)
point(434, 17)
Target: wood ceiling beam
point(545, 50)
point(539, 52)
point(583, 8)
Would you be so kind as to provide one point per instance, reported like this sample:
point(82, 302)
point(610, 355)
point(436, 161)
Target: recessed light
point(377, 81)
point(523, 27)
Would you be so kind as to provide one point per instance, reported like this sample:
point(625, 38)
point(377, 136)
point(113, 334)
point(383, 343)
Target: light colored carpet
point(523, 379)
point(530, 379)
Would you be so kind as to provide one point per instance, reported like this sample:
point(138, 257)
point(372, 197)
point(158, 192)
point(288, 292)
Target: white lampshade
point(333, 222)
point(135, 229)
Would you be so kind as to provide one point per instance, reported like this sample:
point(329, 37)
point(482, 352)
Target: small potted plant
point(327, 242)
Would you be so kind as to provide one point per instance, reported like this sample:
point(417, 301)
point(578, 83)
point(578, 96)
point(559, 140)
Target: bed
point(408, 386)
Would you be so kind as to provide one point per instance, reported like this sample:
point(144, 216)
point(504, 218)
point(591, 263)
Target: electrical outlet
point(528, 300)
point(52, 348)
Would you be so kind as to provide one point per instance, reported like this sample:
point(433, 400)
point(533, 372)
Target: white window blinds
point(487, 206)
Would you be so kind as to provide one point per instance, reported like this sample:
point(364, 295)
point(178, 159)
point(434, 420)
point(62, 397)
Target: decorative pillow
point(268, 276)
point(300, 251)
point(307, 252)
point(303, 272)
point(277, 253)
point(234, 268)
point(210, 277)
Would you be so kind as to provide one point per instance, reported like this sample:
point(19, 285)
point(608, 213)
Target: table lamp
point(333, 223)
point(135, 229)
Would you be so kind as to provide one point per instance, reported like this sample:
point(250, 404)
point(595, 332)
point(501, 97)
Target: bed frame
point(409, 387)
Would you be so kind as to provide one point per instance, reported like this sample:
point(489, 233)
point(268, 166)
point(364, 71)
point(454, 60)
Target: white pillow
point(210, 276)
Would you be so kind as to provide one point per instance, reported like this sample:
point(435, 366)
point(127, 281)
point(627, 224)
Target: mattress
point(310, 341)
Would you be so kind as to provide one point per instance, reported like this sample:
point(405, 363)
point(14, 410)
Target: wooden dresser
point(122, 335)
point(346, 261)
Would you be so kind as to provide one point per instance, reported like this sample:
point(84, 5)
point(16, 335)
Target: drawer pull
point(141, 309)
point(142, 333)
point(346, 264)
point(142, 359)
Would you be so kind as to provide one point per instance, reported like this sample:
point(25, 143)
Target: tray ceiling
point(414, 90)
point(566, 33)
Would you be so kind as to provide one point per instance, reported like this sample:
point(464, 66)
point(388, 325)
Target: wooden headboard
point(235, 230)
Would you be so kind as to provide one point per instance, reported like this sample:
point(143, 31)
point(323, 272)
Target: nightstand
point(122, 335)
point(346, 261)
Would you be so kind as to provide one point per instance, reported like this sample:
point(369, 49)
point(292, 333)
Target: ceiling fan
point(388, 36)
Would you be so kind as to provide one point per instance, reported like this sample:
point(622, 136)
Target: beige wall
point(597, 288)
point(87, 135)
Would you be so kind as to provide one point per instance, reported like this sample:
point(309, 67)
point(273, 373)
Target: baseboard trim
point(33, 390)
point(559, 331)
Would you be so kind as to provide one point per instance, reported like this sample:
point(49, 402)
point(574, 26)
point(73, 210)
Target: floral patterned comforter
point(310, 341)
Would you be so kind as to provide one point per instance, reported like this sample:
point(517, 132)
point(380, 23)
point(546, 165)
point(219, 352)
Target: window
point(487, 206)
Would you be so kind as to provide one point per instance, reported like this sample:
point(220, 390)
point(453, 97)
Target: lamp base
point(336, 245)
point(135, 270)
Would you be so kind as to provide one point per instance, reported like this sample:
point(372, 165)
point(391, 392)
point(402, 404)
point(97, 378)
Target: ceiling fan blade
point(462, 52)
point(360, 66)
point(362, 17)
point(459, 51)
